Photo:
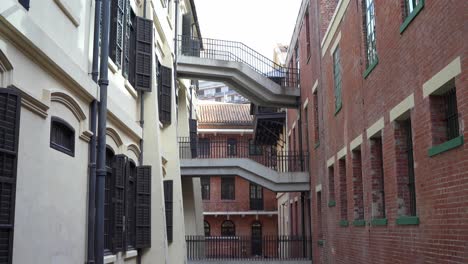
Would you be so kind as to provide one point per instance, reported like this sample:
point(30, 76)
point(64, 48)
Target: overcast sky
point(259, 24)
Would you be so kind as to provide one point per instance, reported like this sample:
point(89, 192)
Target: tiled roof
point(224, 114)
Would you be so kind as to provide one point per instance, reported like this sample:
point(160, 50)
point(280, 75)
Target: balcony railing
point(236, 51)
point(268, 156)
point(284, 248)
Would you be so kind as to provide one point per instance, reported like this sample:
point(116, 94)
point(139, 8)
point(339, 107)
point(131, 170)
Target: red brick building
point(233, 206)
point(383, 114)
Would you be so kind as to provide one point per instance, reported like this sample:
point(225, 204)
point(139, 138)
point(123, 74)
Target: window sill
point(371, 68)
point(344, 223)
point(321, 242)
point(317, 145)
point(331, 203)
point(446, 146)
point(308, 58)
point(112, 66)
point(411, 17)
point(407, 220)
point(109, 259)
point(359, 223)
point(379, 222)
point(131, 254)
point(338, 109)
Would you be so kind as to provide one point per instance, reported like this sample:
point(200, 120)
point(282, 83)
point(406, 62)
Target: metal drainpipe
point(304, 243)
point(102, 123)
point(92, 142)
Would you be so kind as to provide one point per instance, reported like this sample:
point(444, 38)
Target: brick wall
point(435, 37)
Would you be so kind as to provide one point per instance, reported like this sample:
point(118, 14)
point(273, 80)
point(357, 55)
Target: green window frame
point(337, 79)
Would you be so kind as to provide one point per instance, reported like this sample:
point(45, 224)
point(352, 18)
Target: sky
point(260, 24)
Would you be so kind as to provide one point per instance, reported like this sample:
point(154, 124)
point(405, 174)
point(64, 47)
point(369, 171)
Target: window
point(207, 228)
point(307, 21)
point(369, 30)
point(331, 186)
point(377, 174)
point(358, 191)
point(298, 65)
point(228, 190)
point(10, 107)
point(218, 90)
point(319, 215)
point(24, 3)
point(411, 9)
point(306, 117)
point(204, 147)
point(337, 79)
point(127, 205)
point(316, 119)
point(254, 150)
point(256, 197)
point(205, 188)
point(228, 228)
point(232, 147)
point(343, 190)
point(168, 205)
point(405, 168)
point(62, 136)
point(411, 6)
point(445, 124)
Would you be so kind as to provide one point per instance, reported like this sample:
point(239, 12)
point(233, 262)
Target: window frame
point(254, 150)
point(205, 193)
point(231, 147)
point(369, 26)
point(228, 193)
point(228, 231)
point(337, 80)
point(59, 146)
point(206, 226)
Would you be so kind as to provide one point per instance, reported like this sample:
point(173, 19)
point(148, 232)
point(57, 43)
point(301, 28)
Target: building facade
point(219, 92)
point(49, 100)
point(382, 114)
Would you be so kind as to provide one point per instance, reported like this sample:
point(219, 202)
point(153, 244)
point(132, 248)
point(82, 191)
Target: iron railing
point(236, 51)
point(269, 156)
point(285, 248)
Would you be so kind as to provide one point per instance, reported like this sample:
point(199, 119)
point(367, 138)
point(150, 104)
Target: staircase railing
point(284, 248)
point(237, 51)
point(269, 156)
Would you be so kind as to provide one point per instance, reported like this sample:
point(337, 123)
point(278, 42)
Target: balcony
point(268, 124)
point(272, 168)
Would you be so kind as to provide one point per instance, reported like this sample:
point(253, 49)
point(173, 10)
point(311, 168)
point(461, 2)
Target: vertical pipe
point(303, 224)
point(92, 142)
point(102, 123)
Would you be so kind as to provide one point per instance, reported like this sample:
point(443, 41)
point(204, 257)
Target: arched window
point(62, 136)
point(228, 228)
point(108, 202)
point(207, 228)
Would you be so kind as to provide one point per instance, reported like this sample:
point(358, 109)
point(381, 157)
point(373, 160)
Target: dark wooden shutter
point(165, 88)
point(186, 34)
point(143, 59)
point(168, 203)
point(143, 207)
point(193, 137)
point(119, 170)
point(116, 35)
point(10, 105)
point(24, 3)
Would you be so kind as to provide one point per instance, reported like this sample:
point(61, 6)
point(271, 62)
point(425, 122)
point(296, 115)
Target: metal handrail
point(238, 52)
point(269, 156)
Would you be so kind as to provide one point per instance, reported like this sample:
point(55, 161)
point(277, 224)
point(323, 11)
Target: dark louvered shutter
point(118, 201)
point(143, 207)
point(126, 43)
point(116, 35)
point(10, 103)
point(186, 34)
point(165, 88)
point(168, 203)
point(143, 59)
point(24, 3)
point(193, 137)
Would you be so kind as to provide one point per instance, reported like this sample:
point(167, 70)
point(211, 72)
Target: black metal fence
point(238, 52)
point(268, 156)
point(248, 248)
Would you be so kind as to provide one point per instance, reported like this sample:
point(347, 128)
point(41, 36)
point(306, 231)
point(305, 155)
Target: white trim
point(355, 143)
point(318, 188)
point(306, 102)
point(130, 89)
point(442, 77)
point(112, 66)
point(225, 131)
point(293, 125)
point(131, 254)
point(341, 153)
point(109, 259)
point(296, 199)
point(402, 108)
point(314, 88)
point(67, 10)
point(330, 161)
point(375, 128)
point(242, 213)
point(335, 44)
point(333, 26)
